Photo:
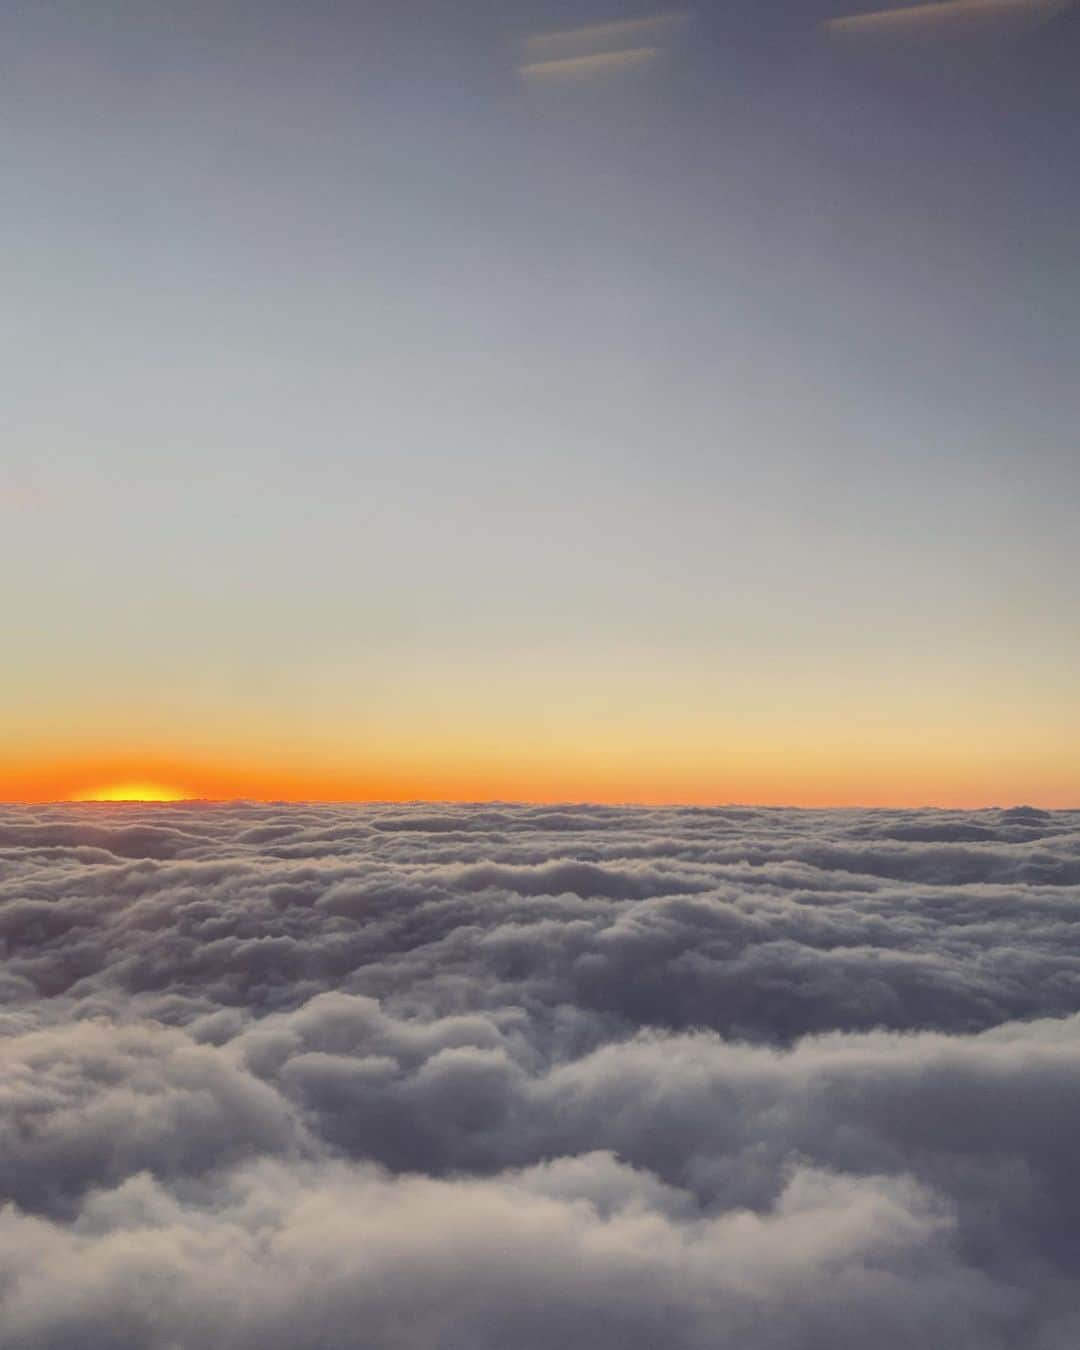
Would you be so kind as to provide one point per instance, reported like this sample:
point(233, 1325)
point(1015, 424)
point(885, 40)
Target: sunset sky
point(434, 400)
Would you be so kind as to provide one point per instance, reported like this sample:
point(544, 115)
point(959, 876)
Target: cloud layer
point(289, 1076)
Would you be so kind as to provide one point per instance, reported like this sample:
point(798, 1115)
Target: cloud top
point(534, 1076)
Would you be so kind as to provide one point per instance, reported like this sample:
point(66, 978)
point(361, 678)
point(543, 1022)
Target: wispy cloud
point(599, 49)
point(590, 39)
point(584, 67)
point(938, 12)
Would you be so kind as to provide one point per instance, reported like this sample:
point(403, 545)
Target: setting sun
point(130, 792)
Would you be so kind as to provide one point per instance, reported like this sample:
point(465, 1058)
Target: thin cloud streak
point(594, 50)
point(585, 67)
point(596, 39)
point(940, 12)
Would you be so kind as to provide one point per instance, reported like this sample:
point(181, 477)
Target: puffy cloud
point(470, 1077)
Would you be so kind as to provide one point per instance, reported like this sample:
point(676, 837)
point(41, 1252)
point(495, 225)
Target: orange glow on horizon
point(648, 779)
point(131, 792)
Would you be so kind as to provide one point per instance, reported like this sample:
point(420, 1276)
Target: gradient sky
point(382, 419)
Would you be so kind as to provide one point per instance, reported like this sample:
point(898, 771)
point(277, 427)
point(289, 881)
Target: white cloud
point(493, 1076)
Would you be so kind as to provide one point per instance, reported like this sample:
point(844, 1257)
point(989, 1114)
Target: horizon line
point(527, 801)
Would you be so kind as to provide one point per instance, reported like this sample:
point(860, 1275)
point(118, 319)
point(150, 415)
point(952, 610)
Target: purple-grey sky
point(380, 393)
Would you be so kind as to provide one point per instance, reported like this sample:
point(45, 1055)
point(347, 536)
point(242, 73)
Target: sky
point(464, 402)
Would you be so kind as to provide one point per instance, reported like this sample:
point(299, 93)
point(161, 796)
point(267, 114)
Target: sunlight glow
point(130, 792)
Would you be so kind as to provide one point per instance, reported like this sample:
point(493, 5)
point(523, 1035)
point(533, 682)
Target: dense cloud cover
point(512, 1078)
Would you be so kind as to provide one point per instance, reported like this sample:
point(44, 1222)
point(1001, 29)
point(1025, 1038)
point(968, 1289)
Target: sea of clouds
point(515, 1078)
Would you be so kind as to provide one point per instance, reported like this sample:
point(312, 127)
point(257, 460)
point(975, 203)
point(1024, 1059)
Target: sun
point(130, 792)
